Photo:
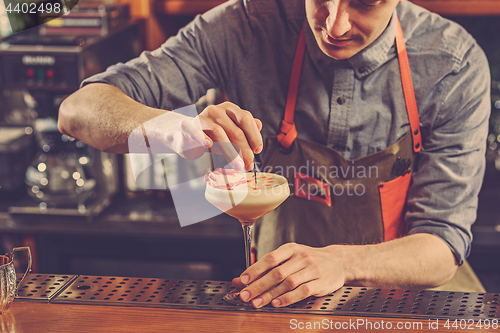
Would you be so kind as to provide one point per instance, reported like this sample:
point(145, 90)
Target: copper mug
point(8, 277)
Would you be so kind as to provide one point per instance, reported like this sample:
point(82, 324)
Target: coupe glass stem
point(247, 234)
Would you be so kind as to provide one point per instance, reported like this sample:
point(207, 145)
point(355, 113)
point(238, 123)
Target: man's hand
point(226, 125)
point(294, 272)
point(290, 274)
point(105, 118)
point(227, 122)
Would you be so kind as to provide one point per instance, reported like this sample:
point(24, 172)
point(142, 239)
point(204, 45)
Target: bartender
point(375, 110)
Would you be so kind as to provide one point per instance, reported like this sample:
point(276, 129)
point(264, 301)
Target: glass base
point(233, 298)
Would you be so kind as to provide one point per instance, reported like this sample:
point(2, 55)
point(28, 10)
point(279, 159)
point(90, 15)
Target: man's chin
point(339, 53)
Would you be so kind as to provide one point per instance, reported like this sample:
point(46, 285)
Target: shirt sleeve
point(443, 197)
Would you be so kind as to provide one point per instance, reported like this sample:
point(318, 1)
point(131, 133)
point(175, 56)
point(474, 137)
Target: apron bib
point(335, 200)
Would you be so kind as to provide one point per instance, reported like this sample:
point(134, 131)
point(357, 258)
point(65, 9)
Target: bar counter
point(29, 317)
point(83, 303)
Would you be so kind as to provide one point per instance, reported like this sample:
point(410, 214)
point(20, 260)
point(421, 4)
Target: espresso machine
point(65, 177)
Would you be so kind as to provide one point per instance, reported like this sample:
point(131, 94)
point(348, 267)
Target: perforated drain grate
point(351, 301)
point(145, 292)
point(188, 294)
point(42, 287)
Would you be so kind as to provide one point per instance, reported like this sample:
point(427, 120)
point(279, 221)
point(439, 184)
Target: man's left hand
point(290, 274)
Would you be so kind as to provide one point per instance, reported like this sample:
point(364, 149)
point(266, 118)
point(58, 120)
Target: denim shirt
point(246, 47)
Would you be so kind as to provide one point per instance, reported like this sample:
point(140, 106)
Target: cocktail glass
point(247, 202)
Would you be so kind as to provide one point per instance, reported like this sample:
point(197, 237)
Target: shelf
point(141, 217)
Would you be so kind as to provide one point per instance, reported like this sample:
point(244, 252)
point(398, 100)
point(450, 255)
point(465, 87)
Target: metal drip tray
point(42, 287)
point(145, 292)
point(188, 294)
point(346, 301)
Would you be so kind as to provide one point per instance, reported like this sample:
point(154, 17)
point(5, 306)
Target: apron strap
point(411, 103)
point(288, 130)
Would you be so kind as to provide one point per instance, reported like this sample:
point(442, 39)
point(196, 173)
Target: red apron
point(339, 201)
point(335, 200)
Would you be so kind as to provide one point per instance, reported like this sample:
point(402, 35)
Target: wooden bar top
point(30, 317)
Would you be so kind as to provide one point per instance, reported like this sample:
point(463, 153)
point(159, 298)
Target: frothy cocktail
point(246, 198)
point(250, 200)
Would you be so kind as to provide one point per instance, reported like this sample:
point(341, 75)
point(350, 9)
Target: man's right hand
point(234, 131)
point(227, 122)
point(105, 118)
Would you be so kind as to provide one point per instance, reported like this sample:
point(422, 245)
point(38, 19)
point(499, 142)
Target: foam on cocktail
point(248, 201)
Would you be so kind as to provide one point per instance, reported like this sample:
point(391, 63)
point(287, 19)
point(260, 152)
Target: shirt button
point(362, 69)
point(341, 100)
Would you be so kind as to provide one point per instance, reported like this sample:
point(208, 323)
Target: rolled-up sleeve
point(443, 197)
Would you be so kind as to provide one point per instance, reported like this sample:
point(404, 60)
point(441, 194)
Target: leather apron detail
point(392, 205)
point(311, 188)
point(409, 93)
point(338, 201)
